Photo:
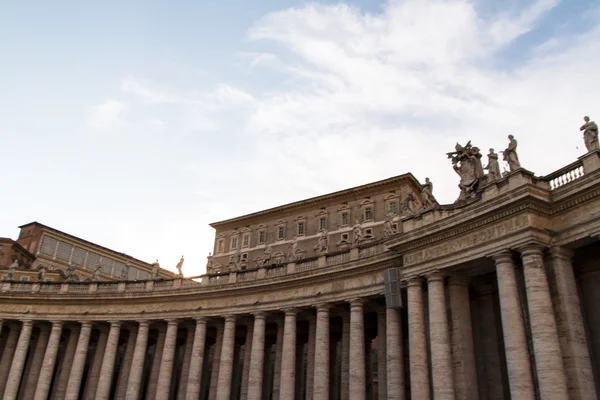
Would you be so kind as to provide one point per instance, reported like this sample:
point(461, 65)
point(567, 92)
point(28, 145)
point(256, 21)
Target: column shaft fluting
point(227, 351)
point(74, 383)
point(513, 329)
point(197, 360)
point(439, 340)
point(548, 357)
point(108, 362)
point(166, 363)
point(137, 363)
point(18, 361)
point(463, 350)
point(47, 370)
point(255, 378)
point(357, 351)
point(419, 372)
point(288, 357)
point(321, 379)
point(394, 356)
point(571, 329)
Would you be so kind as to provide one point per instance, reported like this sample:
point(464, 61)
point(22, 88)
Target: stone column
point(310, 365)
point(108, 361)
point(7, 355)
point(125, 369)
point(439, 339)
point(166, 363)
point(381, 355)
point(419, 372)
point(79, 361)
point(278, 356)
point(94, 372)
point(185, 367)
point(156, 361)
point(345, 384)
point(255, 378)
point(548, 357)
point(357, 351)
point(288, 356)
point(246, 365)
point(226, 364)
point(59, 390)
point(216, 362)
point(394, 356)
point(36, 363)
point(513, 329)
point(571, 330)
point(463, 350)
point(137, 363)
point(18, 361)
point(197, 360)
point(47, 370)
point(321, 360)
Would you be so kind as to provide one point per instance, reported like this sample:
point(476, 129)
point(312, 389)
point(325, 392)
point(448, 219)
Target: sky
point(136, 124)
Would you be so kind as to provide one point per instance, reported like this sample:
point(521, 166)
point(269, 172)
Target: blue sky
point(135, 124)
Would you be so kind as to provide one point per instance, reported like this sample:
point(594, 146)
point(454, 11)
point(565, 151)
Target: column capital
point(531, 249)
point(143, 323)
point(435, 276)
point(357, 302)
point(200, 320)
point(85, 323)
point(229, 318)
point(322, 307)
point(290, 311)
point(114, 323)
point(27, 322)
point(414, 281)
point(561, 253)
point(259, 315)
point(458, 280)
point(172, 321)
point(503, 256)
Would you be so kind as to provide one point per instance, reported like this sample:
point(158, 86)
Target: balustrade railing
point(307, 265)
point(565, 175)
point(278, 270)
point(245, 276)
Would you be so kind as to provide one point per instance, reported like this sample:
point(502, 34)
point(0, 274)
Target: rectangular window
point(368, 213)
point(393, 207)
point(261, 237)
point(280, 232)
point(345, 218)
point(368, 232)
point(246, 240)
point(244, 257)
point(345, 236)
point(300, 228)
point(234, 243)
point(220, 246)
point(323, 223)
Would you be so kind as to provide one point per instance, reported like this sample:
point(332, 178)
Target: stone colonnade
point(354, 350)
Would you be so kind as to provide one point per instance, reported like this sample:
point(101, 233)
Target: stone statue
point(356, 233)
point(388, 226)
point(233, 262)
point(466, 162)
point(10, 275)
point(323, 243)
point(179, 266)
point(155, 270)
point(510, 154)
point(42, 270)
point(293, 248)
point(493, 167)
point(266, 258)
point(408, 205)
point(427, 199)
point(96, 274)
point(590, 134)
point(71, 273)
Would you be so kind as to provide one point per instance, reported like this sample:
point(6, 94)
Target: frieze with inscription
point(470, 240)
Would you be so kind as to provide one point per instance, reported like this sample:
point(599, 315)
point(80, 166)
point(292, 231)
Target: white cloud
point(106, 116)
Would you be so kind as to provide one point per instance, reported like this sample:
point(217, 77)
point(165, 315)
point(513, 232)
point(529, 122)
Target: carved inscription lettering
point(472, 239)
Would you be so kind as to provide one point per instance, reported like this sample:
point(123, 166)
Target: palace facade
point(499, 301)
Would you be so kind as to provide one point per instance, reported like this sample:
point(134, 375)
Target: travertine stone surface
point(548, 357)
point(197, 360)
point(137, 362)
point(288, 356)
point(43, 384)
point(381, 355)
point(419, 372)
point(345, 389)
point(321, 369)
point(94, 373)
point(18, 362)
point(125, 368)
point(185, 367)
point(571, 330)
point(310, 367)
point(246, 363)
point(108, 361)
point(216, 364)
point(513, 329)
point(255, 378)
point(394, 356)
point(156, 362)
point(357, 351)
point(28, 392)
point(166, 363)
point(59, 390)
point(81, 351)
point(463, 352)
point(439, 339)
point(226, 363)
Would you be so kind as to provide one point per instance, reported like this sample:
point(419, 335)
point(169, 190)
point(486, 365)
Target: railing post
point(93, 287)
point(354, 253)
point(149, 286)
point(262, 273)
point(291, 268)
point(232, 277)
point(64, 287)
point(590, 161)
point(322, 261)
point(121, 287)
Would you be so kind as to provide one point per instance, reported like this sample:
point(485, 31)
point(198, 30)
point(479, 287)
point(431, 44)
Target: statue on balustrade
point(42, 270)
point(96, 274)
point(234, 262)
point(388, 226)
point(466, 162)
point(293, 250)
point(408, 205)
point(590, 134)
point(155, 270)
point(179, 266)
point(428, 201)
point(323, 243)
point(510, 154)
point(69, 275)
point(493, 167)
point(357, 234)
point(10, 275)
point(265, 259)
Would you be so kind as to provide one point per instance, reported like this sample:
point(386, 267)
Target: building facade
point(499, 294)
